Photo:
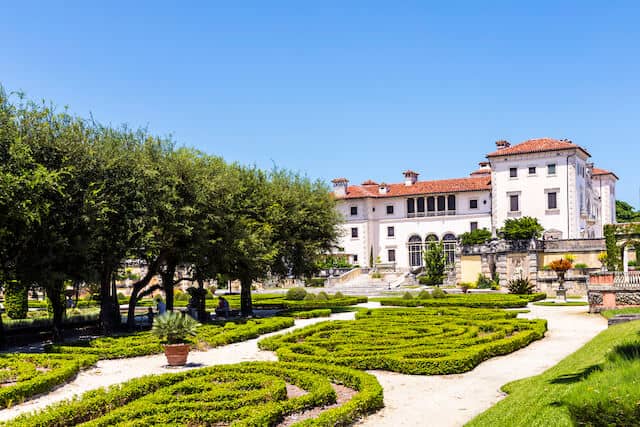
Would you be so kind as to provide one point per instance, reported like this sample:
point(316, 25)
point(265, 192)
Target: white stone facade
point(547, 179)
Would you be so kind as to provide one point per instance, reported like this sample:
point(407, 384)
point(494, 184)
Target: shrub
point(525, 228)
point(296, 294)
point(395, 340)
point(322, 296)
point(483, 282)
point(438, 293)
point(249, 394)
point(407, 295)
point(321, 312)
point(465, 286)
point(181, 296)
point(434, 263)
point(338, 295)
point(121, 296)
point(521, 286)
point(581, 266)
point(467, 300)
point(424, 294)
point(475, 237)
point(174, 327)
point(16, 300)
point(310, 297)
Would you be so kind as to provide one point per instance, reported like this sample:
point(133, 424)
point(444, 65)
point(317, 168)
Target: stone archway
point(619, 238)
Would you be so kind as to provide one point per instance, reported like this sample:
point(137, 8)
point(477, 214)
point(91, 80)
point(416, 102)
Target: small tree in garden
point(435, 263)
point(475, 237)
point(525, 228)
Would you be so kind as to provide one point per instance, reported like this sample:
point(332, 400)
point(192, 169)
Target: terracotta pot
point(177, 354)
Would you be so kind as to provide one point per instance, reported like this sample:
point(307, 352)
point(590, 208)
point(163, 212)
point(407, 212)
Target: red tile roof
point(481, 171)
point(369, 182)
point(457, 185)
point(601, 172)
point(537, 146)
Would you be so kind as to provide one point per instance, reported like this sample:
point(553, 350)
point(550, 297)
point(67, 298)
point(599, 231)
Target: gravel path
point(440, 400)
point(452, 400)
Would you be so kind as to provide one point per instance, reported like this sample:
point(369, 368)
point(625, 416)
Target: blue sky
point(356, 89)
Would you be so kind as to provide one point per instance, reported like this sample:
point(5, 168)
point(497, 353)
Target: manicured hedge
point(466, 300)
point(25, 375)
point(321, 312)
point(278, 301)
point(144, 343)
point(411, 341)
point(246, 394)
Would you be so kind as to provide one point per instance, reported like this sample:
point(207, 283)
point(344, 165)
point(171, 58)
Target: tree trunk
point(117, 318)
point(202, 302)
point(55, 299)
point(167, 283)
point(138, 287)
point(107, 321)
point(246, 307)
point(3, 340)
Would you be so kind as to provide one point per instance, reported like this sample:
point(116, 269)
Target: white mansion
point(551, 180)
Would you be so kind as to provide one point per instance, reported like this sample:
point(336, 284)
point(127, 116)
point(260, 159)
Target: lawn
point(144, 343)
point(611, 313)
point(246, 394)
point(411, 341)
point(25, 375)
point(597, 385)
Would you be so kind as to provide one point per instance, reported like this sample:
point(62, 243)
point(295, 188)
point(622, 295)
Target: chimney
point(410, 177)
point(383, 188)
point(340, 186)
point(502, 144)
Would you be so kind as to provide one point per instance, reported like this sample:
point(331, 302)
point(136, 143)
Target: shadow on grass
point(576, 376)
point(628, 351)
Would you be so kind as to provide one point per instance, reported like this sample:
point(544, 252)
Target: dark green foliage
point(614, 260)
point(475, 237)
point(174, 327)
point(16, 302)
point(248, 394)
point(25, 375)
point(314, 282)
point(434, 264)
point(626, 213)
point(322, 296)
point(321, 312)
point(410, 341)
point(424, 294)
point(485, 282)
point(309, 297)
point(296, 294)
point(144, 343)
point(524, 228)
point(520, 286)
point(407, 295)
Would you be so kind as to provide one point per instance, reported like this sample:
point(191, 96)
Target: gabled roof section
point(538, 145)
point(602, 172)
point(456, 185)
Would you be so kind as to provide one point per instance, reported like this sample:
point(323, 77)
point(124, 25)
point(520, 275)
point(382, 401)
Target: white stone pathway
point(449, 400)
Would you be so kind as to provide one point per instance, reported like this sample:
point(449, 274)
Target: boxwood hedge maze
point(412, 341)
point(246, 394)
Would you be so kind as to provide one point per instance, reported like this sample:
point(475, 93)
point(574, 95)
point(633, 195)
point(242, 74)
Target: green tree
point(435, 263)
point(475, 237)
point(524, 228)
point(626, 213)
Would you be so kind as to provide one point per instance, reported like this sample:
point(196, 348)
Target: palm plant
point(174, 327)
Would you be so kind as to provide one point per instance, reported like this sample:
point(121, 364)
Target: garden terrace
point(412, 341)
point(466, 300)
point(596, 386)
point(25, 375)
point(246, 394)
point(144, 343)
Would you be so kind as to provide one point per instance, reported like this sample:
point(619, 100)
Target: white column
point(625, 259)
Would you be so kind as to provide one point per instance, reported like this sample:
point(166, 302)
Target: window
point(441, 202)
point(449, 246)
point(411, 206)
point(415, 251)
point(354, 210)
point(451, 202)
point(532, 170)
point(552, 200)
point(551, 169)
point(431, 204)
point(474, 225)
point(355, 259)
point(389, 209)
point(391, 232)
point(513, 172)
point(473, 204)
point(391, 255)
point(354, 233)
point(514, 206)
point(420, 204)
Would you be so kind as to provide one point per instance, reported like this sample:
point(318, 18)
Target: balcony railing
point(618, 279)
point(431, 214)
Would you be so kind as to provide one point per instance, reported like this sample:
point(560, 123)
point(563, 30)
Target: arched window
point(415, 251)
point(431, 238)
point(449, 245)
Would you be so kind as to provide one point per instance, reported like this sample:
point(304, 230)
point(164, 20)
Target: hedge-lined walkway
point(108, 372)
point(452, 400)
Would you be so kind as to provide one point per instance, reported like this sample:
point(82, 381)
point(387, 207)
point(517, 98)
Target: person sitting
point(150, 315)
point(223, 307)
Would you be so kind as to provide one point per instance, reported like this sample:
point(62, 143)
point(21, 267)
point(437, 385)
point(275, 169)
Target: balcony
point(431, 214)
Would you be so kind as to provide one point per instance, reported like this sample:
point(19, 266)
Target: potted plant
point(174, 328)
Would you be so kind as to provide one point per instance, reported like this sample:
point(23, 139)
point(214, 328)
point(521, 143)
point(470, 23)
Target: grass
point(591, 376)
point(611, 313)
point(411, 341)
point(561, 304)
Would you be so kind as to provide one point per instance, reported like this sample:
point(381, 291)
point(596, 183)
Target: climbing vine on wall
point(612, 232)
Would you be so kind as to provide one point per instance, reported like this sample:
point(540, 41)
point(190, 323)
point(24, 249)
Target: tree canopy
point(78, 198)
point(524, 228)
point(626, 213)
